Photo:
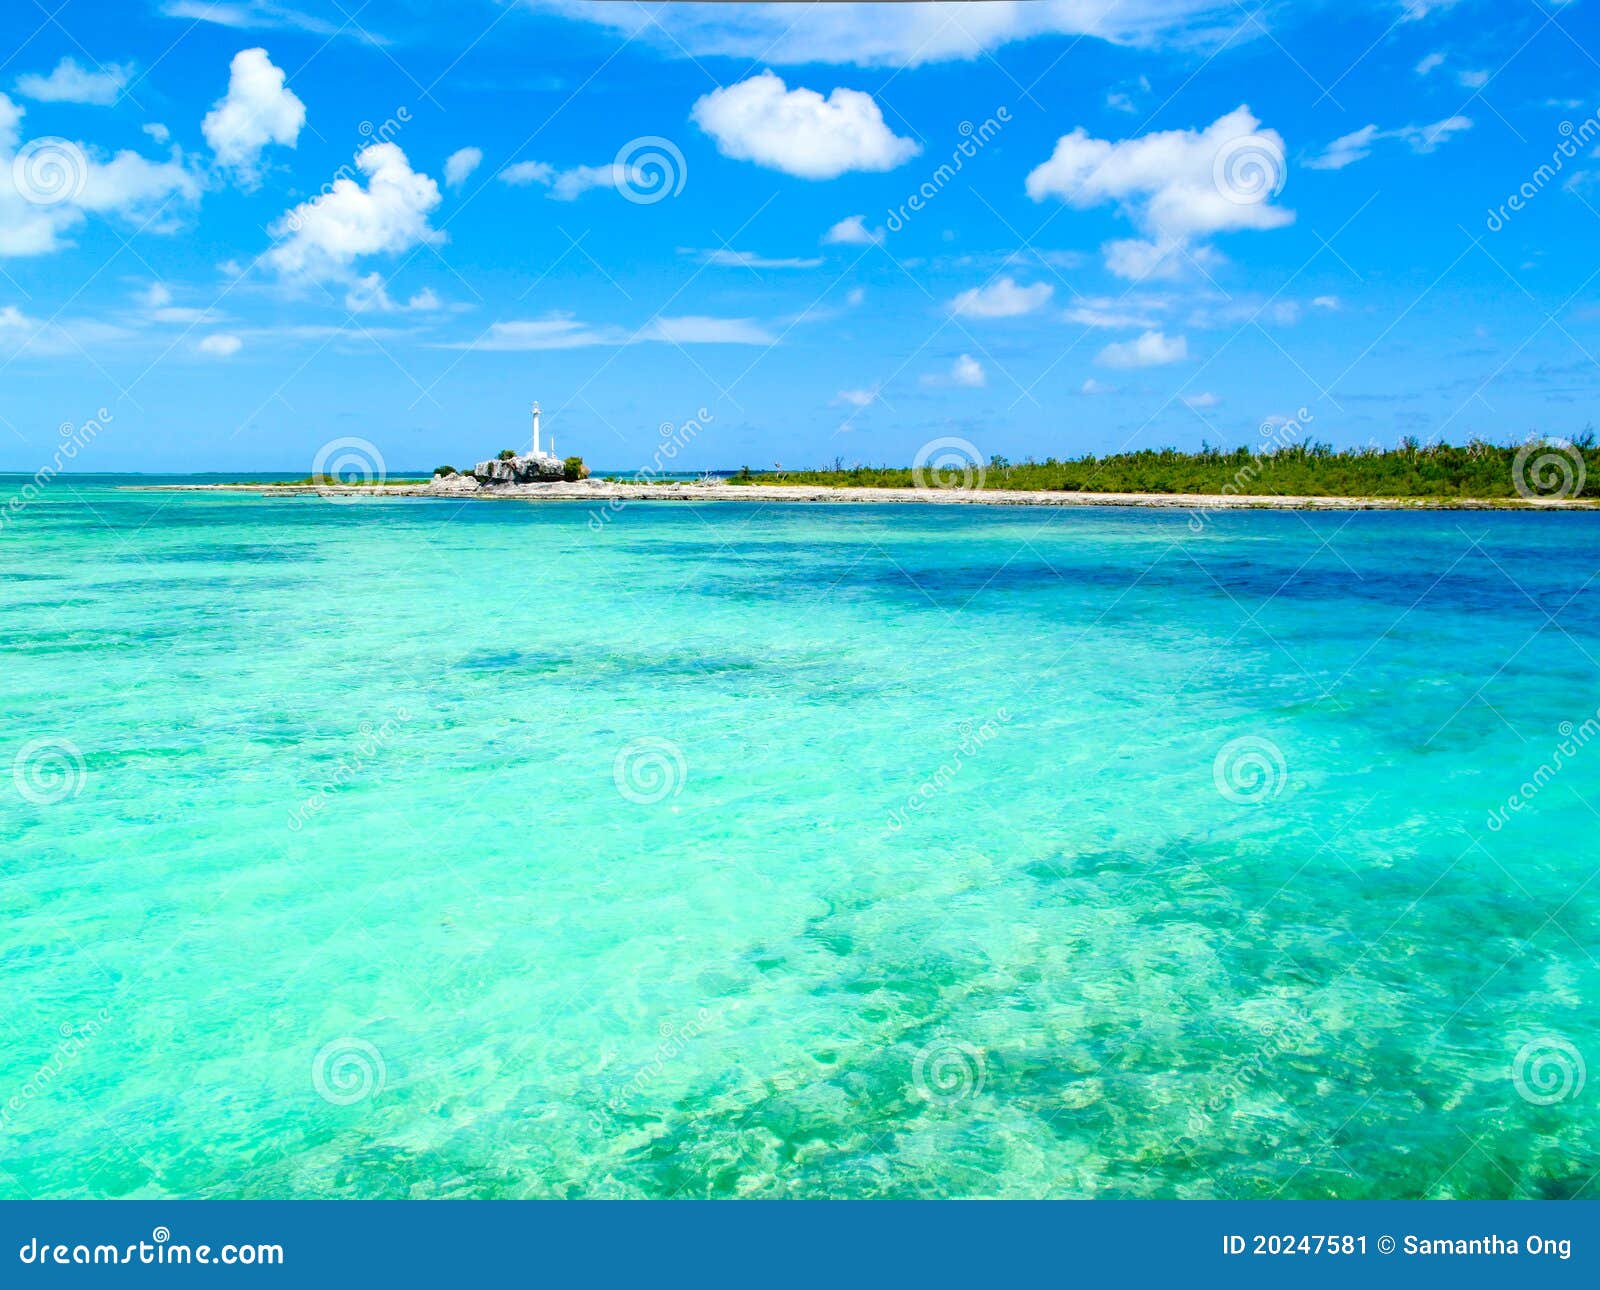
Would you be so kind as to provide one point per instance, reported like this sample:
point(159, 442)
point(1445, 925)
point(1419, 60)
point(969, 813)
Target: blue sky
point(238, 228)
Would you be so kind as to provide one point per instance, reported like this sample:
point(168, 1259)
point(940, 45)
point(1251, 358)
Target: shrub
point(506, 454)
point(443, 470)
point(574, 469)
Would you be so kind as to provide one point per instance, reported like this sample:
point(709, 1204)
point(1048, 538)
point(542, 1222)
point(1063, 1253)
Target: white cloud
point(1357, 145)
point(563, 331)
point(1003, 298)
point(157, 131)
point(1428, 63)
point(1416, 10)
point(897, 35)
point(370, 295)
point(852, 230)
point(1205, 399)
point(798, 131)
point(566, 185)
point(1347, 148)
point(856, 398)
point(965, 371)
point(726, 257)
point(258, 109)
point(1330, 303)
point(155, 302)
point(266, 15)
point(460, 164)
point(1107, 311)
point(72, 83)
point(220, 344)
point(1176, 186)
point(48, 184)
point(1092, 386)
point(1153, 349)
point(323, 237)
point(1473, 80)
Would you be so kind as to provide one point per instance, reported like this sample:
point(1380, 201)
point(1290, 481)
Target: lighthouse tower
point(536, 428)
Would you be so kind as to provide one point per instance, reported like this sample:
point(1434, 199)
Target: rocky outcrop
point(526, 469)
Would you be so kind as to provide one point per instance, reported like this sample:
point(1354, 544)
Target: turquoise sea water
point(420, 848)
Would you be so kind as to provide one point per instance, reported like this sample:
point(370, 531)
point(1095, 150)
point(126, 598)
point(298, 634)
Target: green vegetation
point(506, 454)
point(1477, 470)
point(444, 470)
point(573, 469)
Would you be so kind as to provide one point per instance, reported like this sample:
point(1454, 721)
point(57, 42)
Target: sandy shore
point(599, 491)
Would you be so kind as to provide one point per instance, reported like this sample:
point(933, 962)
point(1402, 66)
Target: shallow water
point(429, 848)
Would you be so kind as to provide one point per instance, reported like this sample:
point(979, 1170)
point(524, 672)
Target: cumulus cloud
point(1428, 63)
point(460, 164)
point(852, 230)
point(369, 294)
point(258, 109)
point(220, 344)
point(965, 371)
point(48, 185)
point(563, 331)
point(1003, 298)
point(322, 238)
point(798, 131)
point(1153, 349)
point(856, 398)
point(1205, 399)
point(1175, 186)
point(72, 83)
point(1358, 144)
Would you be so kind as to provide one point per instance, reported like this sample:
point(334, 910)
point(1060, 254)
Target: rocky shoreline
point(465, 487)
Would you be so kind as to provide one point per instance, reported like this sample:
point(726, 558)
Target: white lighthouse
point(535, 427)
